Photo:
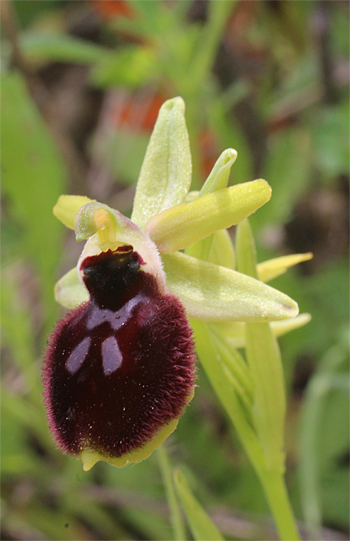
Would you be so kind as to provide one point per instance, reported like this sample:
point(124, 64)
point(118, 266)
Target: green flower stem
point(226, 395)
point(175, 513)
point(264, 360)
point(275, 489)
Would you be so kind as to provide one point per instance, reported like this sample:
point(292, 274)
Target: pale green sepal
point(166, 171)
point(219, 176)
point(234, 334)
point(275, 267)
point(67, 208)
point(107, 229)
point(201, 525)
point(213, 293)
point(182, 225)
point(264, 359)
point(69, 290)
point(89, 458)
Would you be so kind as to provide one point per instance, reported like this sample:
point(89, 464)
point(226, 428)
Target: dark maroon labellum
point(120, 367)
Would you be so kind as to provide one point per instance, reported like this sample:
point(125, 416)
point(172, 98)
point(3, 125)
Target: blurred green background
point(82, 83)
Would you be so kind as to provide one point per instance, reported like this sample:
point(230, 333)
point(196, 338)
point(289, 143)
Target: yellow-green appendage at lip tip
point(89, 458)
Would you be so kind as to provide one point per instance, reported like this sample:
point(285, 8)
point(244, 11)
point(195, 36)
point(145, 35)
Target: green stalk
point(277, 496)
point(264, 360)
point(175, 513)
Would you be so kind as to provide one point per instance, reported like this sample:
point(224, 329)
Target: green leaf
point(324, 442)
point(165, 175)
point(288, 170)
point(130, 67)
point(227, 133)
point(201, 525)
point(33, 177)
point(330, 136)
point(202, 62)
point(215, 293)
point(61, 48)
point(183, 225)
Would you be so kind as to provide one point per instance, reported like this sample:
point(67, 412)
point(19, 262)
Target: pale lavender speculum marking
point(78, 355)
point(111, 355)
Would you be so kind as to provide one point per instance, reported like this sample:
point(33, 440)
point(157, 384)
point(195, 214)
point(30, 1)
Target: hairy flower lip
point(129, 351)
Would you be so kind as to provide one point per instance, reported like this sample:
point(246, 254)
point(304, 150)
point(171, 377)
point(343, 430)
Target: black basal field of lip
point(120, 366)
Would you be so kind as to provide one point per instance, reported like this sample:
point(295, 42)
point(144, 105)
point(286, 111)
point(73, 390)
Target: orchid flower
point(120, 366)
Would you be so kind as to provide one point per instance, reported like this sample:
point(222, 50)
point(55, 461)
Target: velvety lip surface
point(121, 366)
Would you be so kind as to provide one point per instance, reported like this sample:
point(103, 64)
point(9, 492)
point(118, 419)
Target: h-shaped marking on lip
point(111, 355)
point(115, 319)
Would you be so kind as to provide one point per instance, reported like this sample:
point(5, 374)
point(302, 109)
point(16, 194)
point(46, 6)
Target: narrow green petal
point(201, 525)
point(219, 176)
point(67, 208)
point(274, 267)
point(182, 225)
point(222, 251)
point(245, 249)
point(234, 334)
point(213, 293)
point(166, 172)
point(69, 290)
point(217, 248)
